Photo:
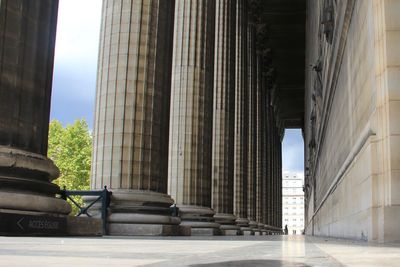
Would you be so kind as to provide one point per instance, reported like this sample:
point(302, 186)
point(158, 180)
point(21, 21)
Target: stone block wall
point(350, 120)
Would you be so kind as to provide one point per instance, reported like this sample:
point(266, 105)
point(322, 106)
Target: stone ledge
point(121, 229)
point(229, 232)
point(21, 224)
point(205, 231)
point(84, 226)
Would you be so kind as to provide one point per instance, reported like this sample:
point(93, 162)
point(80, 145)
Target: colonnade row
point(183, 117)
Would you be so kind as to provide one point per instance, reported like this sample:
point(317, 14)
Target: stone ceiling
point(281, 39)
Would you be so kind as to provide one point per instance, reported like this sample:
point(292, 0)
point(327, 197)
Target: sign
point(21, 224)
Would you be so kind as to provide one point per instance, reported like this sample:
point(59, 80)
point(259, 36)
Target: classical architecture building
point(192, 100)
point(293, 203)
point(187, 77)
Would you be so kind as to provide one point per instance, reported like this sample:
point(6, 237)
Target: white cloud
point(78, 31)
point(293, 152)
point(76, 53)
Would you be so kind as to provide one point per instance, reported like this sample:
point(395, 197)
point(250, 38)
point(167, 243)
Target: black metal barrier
point(174, 210)
point(102, 195)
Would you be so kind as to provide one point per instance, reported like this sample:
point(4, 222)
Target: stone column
point(274, 173)
point(224, 112)
point(260, 136)
point(27, 37)
point(264, 154)
point(251, 127)
point(132, 115)
point(190, 147)
point(276, 176)
point(240, 139)
point(269, 160)
point(279, 182)
point(272, 177)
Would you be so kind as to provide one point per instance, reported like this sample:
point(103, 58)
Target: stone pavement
point(191, 251)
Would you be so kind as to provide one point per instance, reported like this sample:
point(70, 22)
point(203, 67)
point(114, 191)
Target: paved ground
point(191, 251)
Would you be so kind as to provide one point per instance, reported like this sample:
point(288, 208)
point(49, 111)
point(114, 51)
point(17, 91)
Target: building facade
point(293, 203)
point(182, 102)
point(352, 141)
point(192, 100)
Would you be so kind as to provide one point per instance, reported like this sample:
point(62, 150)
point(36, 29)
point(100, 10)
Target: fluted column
point(251, 127)
point(223, 115)
point(260, 140)
point(277, 178)
point(274, 172)
point(190, 150)
point(273, 175)
point(269, 159)
point(240, 139)
point(27, 42)
point(265, 165)
point(132, 113)
point(279, 183)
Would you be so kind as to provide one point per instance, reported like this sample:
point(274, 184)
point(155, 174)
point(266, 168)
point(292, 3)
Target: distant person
point(286, 230)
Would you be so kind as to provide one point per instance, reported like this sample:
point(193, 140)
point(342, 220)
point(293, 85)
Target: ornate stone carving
point(328, 20)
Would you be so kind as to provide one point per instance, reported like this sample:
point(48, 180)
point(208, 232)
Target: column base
point(200, 220)
point(16, 223)
point(28, 203)
point(26, 184)
point(243, 223)
point(122, 229)
point(254, 227)
point(246, 231)
point(261, 228)
point(272, 230)
point(84, 226)
point(230, 232)
point(205, 232)
point(140, 213)
point(228, 223)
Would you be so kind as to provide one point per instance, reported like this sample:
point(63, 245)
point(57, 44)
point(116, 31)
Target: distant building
point(293, 203)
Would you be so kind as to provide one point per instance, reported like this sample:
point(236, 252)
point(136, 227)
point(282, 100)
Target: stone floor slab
point(193, 251)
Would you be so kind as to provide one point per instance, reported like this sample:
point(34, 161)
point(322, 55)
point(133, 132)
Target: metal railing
point(102, 195)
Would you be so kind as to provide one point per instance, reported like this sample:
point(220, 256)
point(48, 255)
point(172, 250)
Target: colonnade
point(183, 116)
point(189, 70)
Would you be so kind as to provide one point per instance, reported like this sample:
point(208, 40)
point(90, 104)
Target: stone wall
point(349, 120)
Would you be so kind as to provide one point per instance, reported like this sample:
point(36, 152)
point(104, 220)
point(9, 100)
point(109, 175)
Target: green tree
point(70, 148)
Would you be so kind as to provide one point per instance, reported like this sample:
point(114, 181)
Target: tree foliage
point(70, 148)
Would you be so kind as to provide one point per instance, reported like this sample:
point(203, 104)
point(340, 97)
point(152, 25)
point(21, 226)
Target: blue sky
point(74, 82)
point(293, 151)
